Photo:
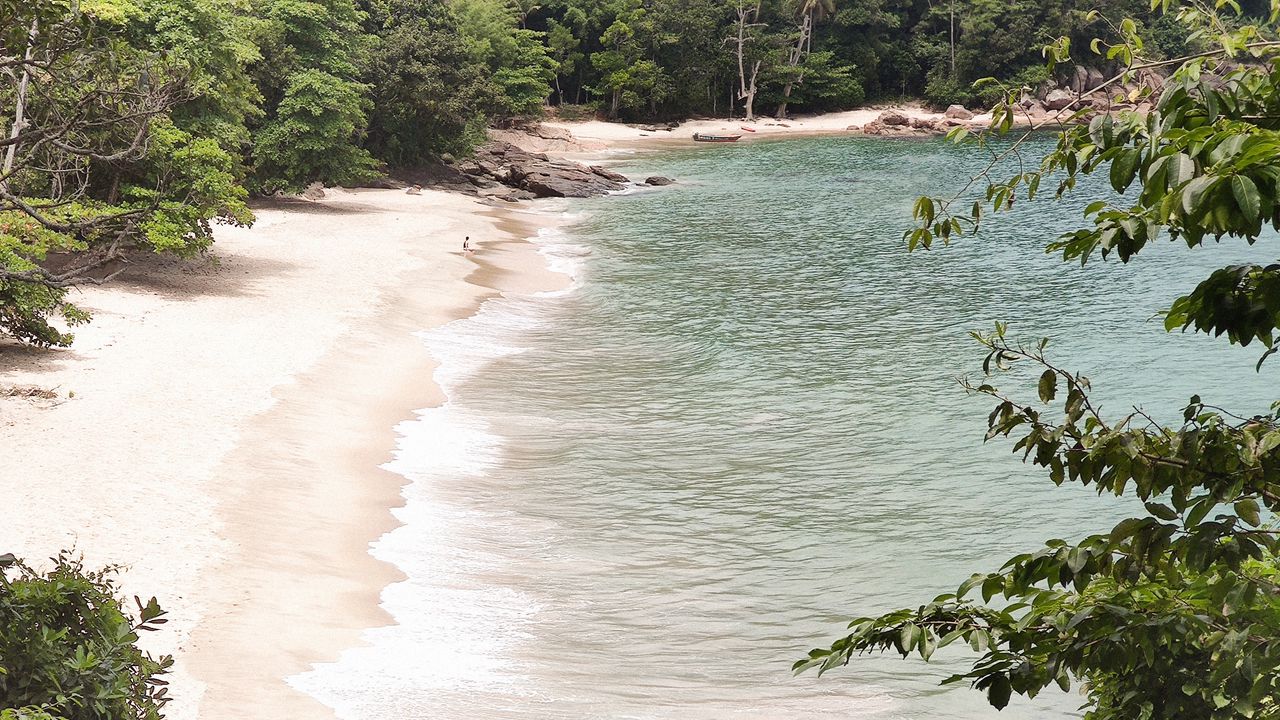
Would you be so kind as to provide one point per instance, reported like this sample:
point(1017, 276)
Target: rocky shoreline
point(518, 164)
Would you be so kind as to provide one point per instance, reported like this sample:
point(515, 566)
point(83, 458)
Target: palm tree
point(808, 13)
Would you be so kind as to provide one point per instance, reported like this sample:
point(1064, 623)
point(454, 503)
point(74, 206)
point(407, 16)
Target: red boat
point(704, 137)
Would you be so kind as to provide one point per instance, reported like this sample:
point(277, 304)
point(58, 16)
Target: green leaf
point(908, 637)
point(1247, 198)
point(1248, 511)
point(1181, 169)
point(1196, 193)
point(1124, 168)
point(1048, 386)
point(1164, 512)
point(999, 692)
point(1269, 442)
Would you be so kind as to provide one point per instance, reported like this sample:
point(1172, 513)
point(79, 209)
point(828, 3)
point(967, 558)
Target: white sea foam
point(459, 618)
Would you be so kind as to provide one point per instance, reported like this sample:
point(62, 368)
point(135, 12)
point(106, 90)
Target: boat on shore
point(708, 137)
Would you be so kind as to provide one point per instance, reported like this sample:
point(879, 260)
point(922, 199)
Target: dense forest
point(134, 124)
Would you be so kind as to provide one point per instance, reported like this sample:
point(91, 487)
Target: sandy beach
point(217, 429)
point(600, 135)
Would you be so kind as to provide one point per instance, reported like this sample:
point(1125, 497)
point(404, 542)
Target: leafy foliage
point(315, 107)
point(515, 55)
point(429, 96)
point(314, 134)
point(97, 168)
point(1174, 613)
point(68, 647)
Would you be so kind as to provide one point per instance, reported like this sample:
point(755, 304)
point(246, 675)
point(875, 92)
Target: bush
point(942, 91)
point(574, 113)
point(68, 648)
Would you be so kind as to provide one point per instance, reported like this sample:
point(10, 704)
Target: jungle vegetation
point(134, 126)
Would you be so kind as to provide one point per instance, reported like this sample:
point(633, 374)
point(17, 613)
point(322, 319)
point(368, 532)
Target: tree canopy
point(1174, 613)
point(135, 125)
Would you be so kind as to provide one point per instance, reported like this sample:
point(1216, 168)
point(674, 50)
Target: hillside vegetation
point(135, 125)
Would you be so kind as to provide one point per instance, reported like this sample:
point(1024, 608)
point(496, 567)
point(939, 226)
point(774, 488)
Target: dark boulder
point(529, 174)
point(658, 181)
point(608, 174)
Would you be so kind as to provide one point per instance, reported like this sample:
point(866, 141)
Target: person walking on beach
point(467, 247)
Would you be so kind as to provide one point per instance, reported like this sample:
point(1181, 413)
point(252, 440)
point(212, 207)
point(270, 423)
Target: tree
point(809, 12)
point(521, 68)
point(315, 108)
point(746, 40)
point(428, 94)
point(1174, 613)
point(562, 46)
point(68, 647)
point(212, 43)
point(631, 80)
point(94, 168)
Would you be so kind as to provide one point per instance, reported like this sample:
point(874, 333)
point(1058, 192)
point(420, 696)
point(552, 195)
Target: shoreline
point(253, 527)
point(402, 385)
point(260, 519)
point(598, 135)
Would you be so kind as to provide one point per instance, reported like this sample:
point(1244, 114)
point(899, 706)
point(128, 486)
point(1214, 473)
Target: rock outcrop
point(501, 163)
point(892, 118)
point(1059, 99)
point(958, 112)
point(658, 181)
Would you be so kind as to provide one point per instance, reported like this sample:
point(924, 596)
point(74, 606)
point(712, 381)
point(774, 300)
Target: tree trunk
point(19, 115)
point(796, 56)
point(113, 195)
point(781, 113)
point(953, 39)
point(746, 89)
point(750, 95)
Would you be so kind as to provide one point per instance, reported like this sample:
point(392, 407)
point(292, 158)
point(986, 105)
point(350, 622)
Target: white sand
point(218, 430)
point(619, 134)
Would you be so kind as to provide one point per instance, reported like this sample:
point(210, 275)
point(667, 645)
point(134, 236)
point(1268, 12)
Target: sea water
point(649, 494)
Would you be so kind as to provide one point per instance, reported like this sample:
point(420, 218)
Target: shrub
point(68, 648)
point(942, 90)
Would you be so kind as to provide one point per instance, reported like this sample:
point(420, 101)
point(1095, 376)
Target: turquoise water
point(650, 494)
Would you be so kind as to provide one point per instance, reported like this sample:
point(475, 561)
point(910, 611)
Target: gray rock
point(1059, 99)
point(535, 174)
point(891, 117)
point(383, 183)
point(553, 133)
point(658, 181)
point(506, 194)
point(1079, 79)
point(608, 174)
point(958, 112)
point(1093, 78)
